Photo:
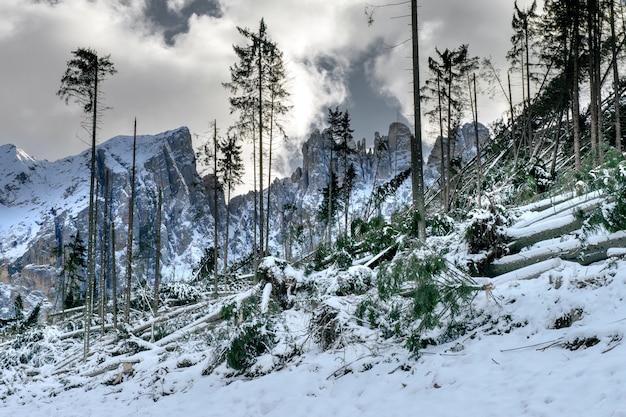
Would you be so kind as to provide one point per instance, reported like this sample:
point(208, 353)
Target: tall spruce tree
point(449, 70)
point(259, 97)
point(80, 83)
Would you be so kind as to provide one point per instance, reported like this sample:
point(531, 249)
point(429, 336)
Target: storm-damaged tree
point(210, 155)
point(417, 159)
point(278, 96)
point(259, 96)
point(449, 70)
point(157, 258)
point(231, 169)
point(525, 24)
point(81, 83)
point(129, 236)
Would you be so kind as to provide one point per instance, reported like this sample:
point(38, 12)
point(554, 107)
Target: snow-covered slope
point(547, 346)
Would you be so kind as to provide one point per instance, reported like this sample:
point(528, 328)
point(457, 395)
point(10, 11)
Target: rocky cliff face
point(294, 225)
point(463, 146)
point(44, 204)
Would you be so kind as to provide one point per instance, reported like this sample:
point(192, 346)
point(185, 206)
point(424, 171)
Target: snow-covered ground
point(516, 363)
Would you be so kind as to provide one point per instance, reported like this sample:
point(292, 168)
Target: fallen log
point(597, 248)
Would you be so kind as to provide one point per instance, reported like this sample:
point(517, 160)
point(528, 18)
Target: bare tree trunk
point(512, 110)
point(616, 97)
point(91, 229)
point(113, 275)
point(417, 160)
point(157, 260)
point(215, 208)
point(442, 177)
point(330, 192)
point(593, 104)
point(576, 98)
point(255, 245)
point(103, 249)
point(598, 75)
point(269, 177)
point(261, 214)
point(529, 122)
point(129, 242)
point(226, 237)
point(479, 174)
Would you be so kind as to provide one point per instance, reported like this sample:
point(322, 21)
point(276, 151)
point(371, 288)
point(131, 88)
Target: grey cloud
point(174, 22)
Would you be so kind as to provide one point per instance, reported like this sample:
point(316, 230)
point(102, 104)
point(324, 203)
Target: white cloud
point(166, 86)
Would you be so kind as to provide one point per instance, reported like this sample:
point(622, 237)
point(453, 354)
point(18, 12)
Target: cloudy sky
point(172, 57)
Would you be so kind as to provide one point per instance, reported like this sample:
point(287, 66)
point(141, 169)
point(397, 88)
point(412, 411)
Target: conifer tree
point(449, 70)
point(525, 28)
point(231, 169)
point(258, 95)
point(80, 82)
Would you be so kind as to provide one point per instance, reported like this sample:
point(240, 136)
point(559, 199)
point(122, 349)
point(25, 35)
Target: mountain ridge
point(43, 204)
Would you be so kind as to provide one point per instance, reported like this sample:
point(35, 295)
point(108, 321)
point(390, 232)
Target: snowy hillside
point(43, 205)
point(533, 341)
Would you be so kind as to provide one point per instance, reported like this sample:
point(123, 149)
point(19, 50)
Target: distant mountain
point(43, 205)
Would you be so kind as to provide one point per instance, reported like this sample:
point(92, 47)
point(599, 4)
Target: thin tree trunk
point(446, 207)
point(91, 220)
point(616, 97)
point(557, 140)
point(442, 177)
point(269, 177)
point(157, 260)
point(103, 249)
point(512, 110)
point(529, 97)
point(576, 98)
point(330, 191)
point(113, 275)
point(261, 215)
point(129, 242)
point(598, 81)
point(525, 141)
point(591, 67)
point(227, 230)
point(478, 163)
point(215, 213)
point(255, 246)
point(417, 175)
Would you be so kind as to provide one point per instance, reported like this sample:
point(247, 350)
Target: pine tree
point(73, 269)
point(231, 169)
point(80, 83)
point(257, 85)
point(417, 160)
point(449, 69)
point(524, 39)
